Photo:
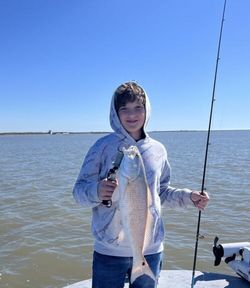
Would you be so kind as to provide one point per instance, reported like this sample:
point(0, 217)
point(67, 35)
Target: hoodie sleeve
point(170, 196)
point(85, 188)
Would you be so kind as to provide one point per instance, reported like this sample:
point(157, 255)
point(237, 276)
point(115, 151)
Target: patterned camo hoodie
point(106, 222)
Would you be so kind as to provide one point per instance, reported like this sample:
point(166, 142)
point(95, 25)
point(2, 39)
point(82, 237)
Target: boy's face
point(132, 117)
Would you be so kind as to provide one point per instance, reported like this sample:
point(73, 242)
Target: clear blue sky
point(60, 62)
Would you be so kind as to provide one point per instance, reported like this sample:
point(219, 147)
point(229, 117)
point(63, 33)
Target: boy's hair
point(129, 92)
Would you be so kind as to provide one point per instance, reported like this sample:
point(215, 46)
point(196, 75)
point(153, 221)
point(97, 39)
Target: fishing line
point(208, 138)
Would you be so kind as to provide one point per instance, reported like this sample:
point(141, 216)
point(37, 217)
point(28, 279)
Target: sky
point(61, 60)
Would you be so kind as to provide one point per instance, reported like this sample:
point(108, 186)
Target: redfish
point(135, 200)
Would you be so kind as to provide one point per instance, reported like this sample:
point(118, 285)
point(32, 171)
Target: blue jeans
point(111, 271)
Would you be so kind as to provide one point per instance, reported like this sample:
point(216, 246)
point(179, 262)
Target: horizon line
point(50, 132)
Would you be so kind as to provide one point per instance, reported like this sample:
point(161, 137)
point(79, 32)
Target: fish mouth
point(131, 152)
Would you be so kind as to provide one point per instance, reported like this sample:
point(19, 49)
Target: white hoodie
point(106, 222)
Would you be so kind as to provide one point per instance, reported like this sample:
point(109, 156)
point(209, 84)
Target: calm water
point(45, 238)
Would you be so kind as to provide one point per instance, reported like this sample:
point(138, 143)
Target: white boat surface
point(182, 279)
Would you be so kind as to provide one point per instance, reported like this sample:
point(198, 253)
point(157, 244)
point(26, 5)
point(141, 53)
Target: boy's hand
point(106, 188)
point(200, 201)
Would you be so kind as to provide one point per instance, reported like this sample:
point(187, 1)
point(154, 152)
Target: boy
point(112, 259)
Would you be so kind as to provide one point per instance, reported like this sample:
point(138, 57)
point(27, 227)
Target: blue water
point(45, 238)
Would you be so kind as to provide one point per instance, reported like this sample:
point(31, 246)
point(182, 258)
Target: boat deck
point(182, 279)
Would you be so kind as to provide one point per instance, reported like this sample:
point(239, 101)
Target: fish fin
point(140, 269)
point(121, 236)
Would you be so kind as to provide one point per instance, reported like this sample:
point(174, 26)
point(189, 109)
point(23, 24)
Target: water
point(45, 238)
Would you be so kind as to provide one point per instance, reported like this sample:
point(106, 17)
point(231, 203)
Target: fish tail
point(140, 269)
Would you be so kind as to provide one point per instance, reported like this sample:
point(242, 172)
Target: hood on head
point(115, 121)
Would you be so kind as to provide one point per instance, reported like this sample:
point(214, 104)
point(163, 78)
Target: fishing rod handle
point(111, 177)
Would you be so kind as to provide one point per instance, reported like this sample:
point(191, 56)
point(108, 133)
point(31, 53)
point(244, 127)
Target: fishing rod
point(208, 138)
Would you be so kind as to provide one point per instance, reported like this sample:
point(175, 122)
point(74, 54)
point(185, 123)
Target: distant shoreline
point(49, 133)
point(106, 132)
